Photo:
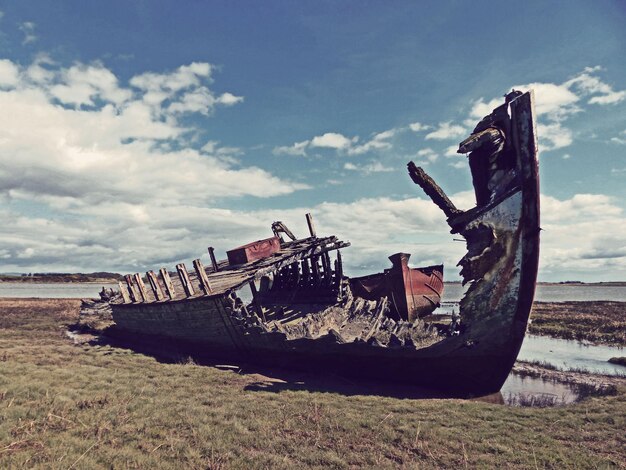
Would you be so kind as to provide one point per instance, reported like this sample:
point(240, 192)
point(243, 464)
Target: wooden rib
point(204, 280)
point(184, 279)
point(124, 292)
point(141, 286)
point(131, 289)
point(167, 282)
point(154, 284)
point(213, 259)
point(309, 221)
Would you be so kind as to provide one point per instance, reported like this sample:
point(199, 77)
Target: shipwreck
point(302, 311)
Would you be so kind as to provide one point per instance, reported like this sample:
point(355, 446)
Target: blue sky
point(135, 134)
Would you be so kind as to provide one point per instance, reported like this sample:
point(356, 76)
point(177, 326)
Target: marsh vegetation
point(66, 404)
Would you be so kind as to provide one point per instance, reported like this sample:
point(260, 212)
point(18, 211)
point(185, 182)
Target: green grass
point(79, 406)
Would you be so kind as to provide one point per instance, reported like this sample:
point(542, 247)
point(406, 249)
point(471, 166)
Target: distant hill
point(62, 277)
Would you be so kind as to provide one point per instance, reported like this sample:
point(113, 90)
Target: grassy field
point(598, 322)
point(79, 406)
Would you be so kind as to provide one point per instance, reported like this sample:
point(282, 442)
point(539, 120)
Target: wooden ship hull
point(302, 312)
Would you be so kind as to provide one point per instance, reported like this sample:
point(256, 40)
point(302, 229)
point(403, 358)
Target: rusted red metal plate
point(415, 292)
point(253, 251)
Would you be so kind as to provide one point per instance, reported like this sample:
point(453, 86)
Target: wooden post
point(124, 293)
point(131, 289)
point(339, 267)
point(306, 273)
point(184, 279)
point(141, 286)
point(309, 221)
point(328, 270)
point(154, 284)
point(339, 274)
point(204, 280)
point(213, 259)
point(167, 282)
point(255, 300)
point(315, 268)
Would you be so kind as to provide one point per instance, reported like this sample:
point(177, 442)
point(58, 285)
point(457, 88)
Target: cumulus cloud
point(446, 131)
point(582, 235)
point(9, 74)
point(418, 126)
point(555, 103)
point(297, 149)
point(379, 141)
point(429, 154)
point(340, 143)
point(109, 162)
point(331, 140)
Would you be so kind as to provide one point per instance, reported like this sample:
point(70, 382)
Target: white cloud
point(297, 149)
point(555, 103)
point(28, 28)
point(445, 131)
point(589, 84)
point(619, 140)
point(81, 84)
point(342, 144)
point(566, 156)
point(429, 154)
point(367, 168)
point(377, 142)
point(417, 127)
point(228, 99)
point(554, 136)
point(332, 140)
point(110, 167)
point(8, 74)
point(451, 151)
point(583, 235)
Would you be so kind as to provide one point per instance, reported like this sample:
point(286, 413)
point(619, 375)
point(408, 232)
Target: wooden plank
point(204, 280)
point(124, 293)
point(184, 279)
point(134, 297)
point(432, 190)
point(309, 222)
point(315, 268)
point(167, 282)
point(154, 284)
point(141, 287)
point(213, 259)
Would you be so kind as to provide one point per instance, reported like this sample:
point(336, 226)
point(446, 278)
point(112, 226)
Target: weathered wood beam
point(315, 268)
point(432, 190)
point(141, 286)
point(154, 284)
point(167, 282)
point(204, 280)
point(213, 259)
point(134, 297)
point(184, 279)
point(124, 292)
point(309, 222)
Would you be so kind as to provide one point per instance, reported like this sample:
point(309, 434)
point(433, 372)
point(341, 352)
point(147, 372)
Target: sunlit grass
point(80, 406)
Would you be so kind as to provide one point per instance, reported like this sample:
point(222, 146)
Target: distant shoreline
point(74, 278)
point(113, 278)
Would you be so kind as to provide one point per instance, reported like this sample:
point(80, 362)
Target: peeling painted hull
point(502, 234)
